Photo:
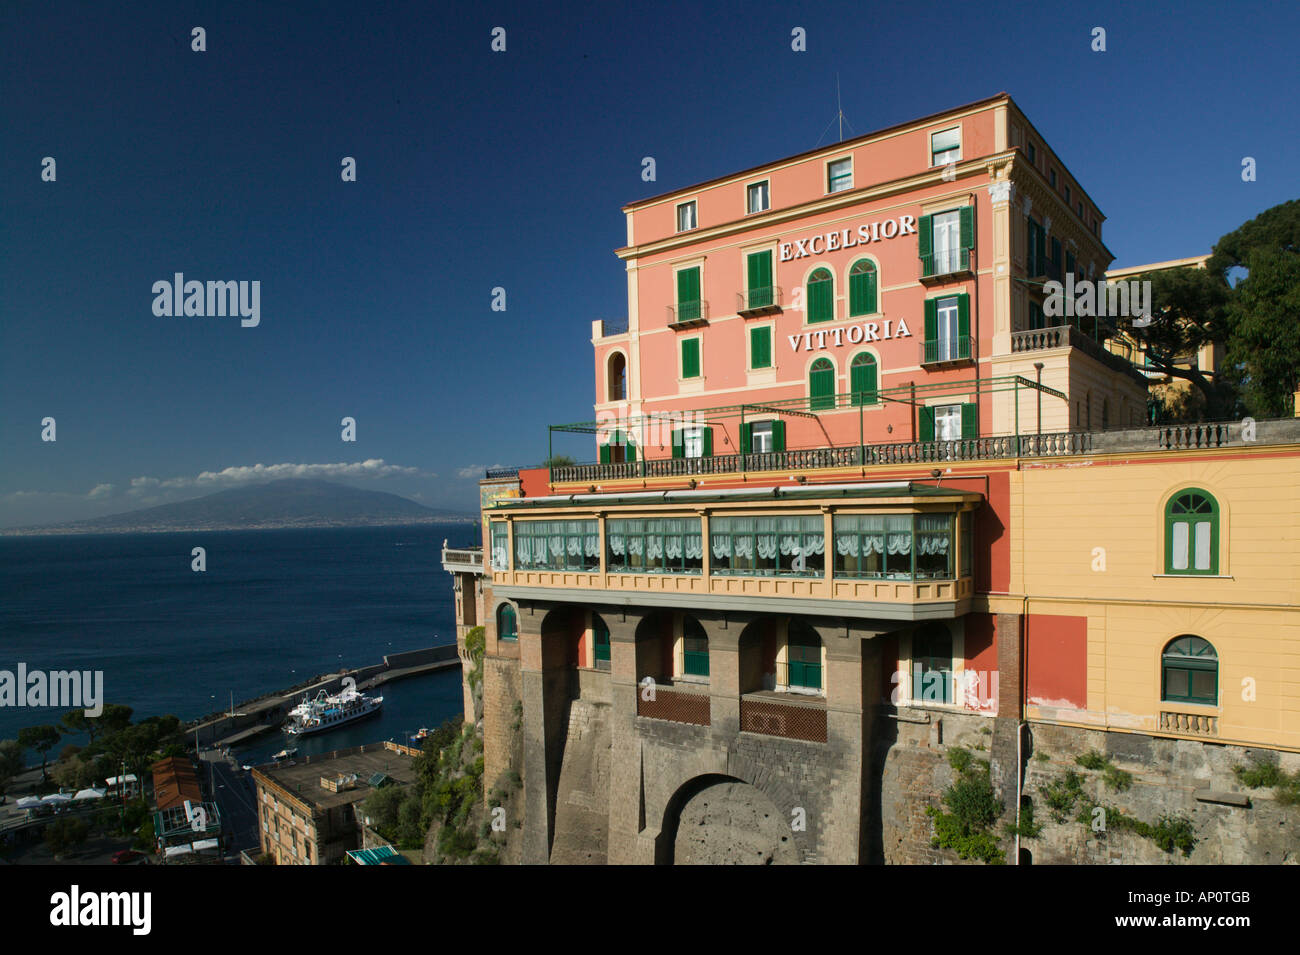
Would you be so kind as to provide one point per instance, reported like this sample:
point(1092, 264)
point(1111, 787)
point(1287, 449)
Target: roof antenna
point(839, 106)
point(839, 115)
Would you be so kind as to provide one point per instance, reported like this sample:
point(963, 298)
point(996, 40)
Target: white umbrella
point(27, 802)
point(56, 798)
point(90, 794)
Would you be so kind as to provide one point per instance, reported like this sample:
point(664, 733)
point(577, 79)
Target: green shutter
point(691, 358)
point(821, 385)
point(744, 436)
point(963, 326)
point(707, 450)
point(688, 294)
point(630, 449)
point(760, 279)
point(925, 243)
point(1040, 250)
point(604, 454)
point(862, 291)
point(760, 347)
point(778, 435)
point(926, 422)
point(969, 421)
point(821, 297)
point(968, 227)
point(679, 443)
point(862, 380)
point(931, 328)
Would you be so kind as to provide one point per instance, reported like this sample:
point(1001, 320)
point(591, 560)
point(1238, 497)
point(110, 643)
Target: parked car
point(126, 855)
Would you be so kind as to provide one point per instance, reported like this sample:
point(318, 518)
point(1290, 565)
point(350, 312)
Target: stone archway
point(721, 820)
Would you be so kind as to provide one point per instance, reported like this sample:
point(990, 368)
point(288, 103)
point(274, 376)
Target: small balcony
point(675, 705)
point(688, 314)
point(943, 352)
point(605, 328)
point(465, 560)
point(940, 267)
point(1062, 336)
point(758, 301)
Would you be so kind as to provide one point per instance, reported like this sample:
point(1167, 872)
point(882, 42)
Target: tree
point(1188, 311)
point(559, 461)
point(1263, 353)
point(63, 834)
point(113, 719)
point(76, 721)
point(40, 738)
point(11, 761)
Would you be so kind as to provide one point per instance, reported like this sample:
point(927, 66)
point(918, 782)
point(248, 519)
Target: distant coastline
point(288, 503)
point(67, 530)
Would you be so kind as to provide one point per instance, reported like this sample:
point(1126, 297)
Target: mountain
point(289, 502)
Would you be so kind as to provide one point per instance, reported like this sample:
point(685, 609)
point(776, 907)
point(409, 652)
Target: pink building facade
point(882, 290)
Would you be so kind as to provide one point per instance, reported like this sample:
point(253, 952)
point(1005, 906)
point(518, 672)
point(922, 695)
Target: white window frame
point(947, 326)
point(766, 434)
point(934, 157)
point(948, 259)
point(693, 205)
point(766, 185)
point(947, 413)
point(832, 162)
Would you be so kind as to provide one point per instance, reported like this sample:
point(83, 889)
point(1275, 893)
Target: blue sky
point(478, 169)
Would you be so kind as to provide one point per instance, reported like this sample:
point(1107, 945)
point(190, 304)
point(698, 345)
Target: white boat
point(330, 711)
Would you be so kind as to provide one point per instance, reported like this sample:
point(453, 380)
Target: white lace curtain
point(933, 533)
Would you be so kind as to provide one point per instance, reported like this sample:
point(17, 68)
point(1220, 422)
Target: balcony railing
point(941, 350)
point(610, 328)
point(913, 452)
point(686, 314)
point(937, 265)
point(1192, 724)
point(758, 301)
point(676, 706)
point(1058, 336)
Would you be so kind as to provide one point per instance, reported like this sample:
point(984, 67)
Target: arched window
point(507, 628)
point(821, 296)
point(862, 378)
point(695, 648)
point(932, 665)
point(803, 657)
point(1189, 671)
point(600, 641)
point(617, 377)
point(821, 385)
point(862, 288)
point(1192, 533)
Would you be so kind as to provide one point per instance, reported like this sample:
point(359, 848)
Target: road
point(232, 790)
